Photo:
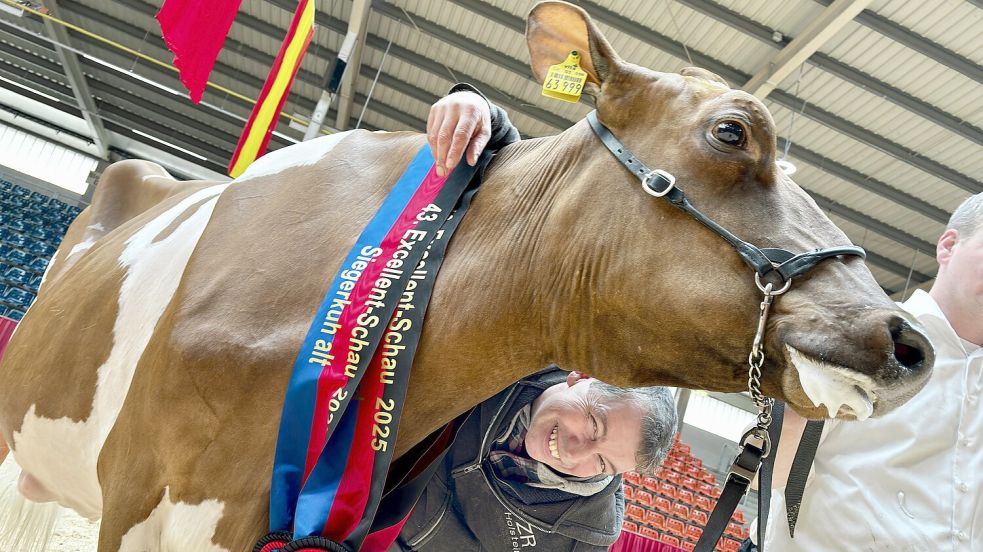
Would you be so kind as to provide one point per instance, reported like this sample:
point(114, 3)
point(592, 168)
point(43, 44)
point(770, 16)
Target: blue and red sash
point(331, 463)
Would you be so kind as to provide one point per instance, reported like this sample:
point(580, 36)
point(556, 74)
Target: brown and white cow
point(145, 385)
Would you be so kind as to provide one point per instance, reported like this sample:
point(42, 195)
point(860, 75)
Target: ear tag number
point(565, 81)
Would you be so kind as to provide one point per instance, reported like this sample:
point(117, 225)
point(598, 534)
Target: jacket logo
point(520, 534)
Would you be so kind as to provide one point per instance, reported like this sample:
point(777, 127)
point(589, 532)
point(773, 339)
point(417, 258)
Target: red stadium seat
point(731, 545)
point(738, 517)
point(702, 503)
point(680, 510)
point(688, 546)
point(708, 477)
point(650, 483)
point(655, 519)
point(662, 504)
point(686, 497)
point(698, 517)
point(633, 477)
point(649, 532)
point(674, 477)
point(693, 532)
point(629, 492)
point(670, 540)
point(675, 527)
point(629, 526)
point(644, 497)
point(691, 484)
point(733, 529)
point(683, 448)
point(666, 489)
point(635, 512)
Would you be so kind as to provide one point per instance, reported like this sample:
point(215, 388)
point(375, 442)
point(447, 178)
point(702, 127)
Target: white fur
point(62, 453)
point(176, 527)
point(833, 386)
point(296, 155)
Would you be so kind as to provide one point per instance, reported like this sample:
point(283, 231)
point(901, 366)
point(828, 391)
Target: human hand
point(458, 122)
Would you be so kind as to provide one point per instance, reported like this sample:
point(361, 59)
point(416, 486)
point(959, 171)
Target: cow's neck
point(517, 290)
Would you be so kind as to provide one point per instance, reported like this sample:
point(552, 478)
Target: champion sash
point(332, 460)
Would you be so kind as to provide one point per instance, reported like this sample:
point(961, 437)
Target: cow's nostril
point(907, 355)
point(909, 344)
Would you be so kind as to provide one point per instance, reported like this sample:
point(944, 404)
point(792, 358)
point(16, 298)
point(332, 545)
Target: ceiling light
point(170, 145)
point(786, 166)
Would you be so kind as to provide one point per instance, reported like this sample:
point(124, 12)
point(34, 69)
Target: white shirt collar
point(927, 311)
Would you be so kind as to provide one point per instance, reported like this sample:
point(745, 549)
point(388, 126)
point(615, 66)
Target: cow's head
point(835, 343)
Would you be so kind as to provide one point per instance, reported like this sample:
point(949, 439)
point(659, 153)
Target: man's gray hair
point(968, 217)
point(658, 420)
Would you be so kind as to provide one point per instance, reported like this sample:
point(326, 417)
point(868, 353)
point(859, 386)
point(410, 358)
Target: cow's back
point(211, 288)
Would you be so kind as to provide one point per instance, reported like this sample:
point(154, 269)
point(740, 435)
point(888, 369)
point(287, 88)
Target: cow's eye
point(730, 133)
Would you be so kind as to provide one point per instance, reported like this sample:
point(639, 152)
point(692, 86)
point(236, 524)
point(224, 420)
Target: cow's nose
point(912, 349)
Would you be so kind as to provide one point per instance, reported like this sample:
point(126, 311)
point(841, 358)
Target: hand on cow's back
point(457, 123)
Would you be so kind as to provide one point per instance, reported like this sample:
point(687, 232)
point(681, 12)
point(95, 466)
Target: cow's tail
point(24, 526)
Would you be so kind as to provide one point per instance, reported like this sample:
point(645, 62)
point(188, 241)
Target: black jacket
point(465, 509)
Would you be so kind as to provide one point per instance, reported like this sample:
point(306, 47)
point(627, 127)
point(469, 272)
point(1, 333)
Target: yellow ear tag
point(565, 81)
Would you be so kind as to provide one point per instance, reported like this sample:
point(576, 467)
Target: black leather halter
point(763, 261)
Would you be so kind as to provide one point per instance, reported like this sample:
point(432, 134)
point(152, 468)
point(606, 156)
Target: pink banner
point(195, 32)
point(630, 542)
point(6, 330)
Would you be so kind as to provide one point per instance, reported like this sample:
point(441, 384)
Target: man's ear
point(943, 248)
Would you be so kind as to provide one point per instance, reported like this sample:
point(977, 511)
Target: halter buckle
point(665, 176)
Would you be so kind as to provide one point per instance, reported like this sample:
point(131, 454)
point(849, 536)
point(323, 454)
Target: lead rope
point(756, 442)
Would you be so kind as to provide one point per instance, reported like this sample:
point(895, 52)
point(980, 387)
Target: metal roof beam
point(817, 33)
point(357, 25)
point(918, 43)
point(865, 182)
point(829, 64)
point(76, 79)
point(881, 228)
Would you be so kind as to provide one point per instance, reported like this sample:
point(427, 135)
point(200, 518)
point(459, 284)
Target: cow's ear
point(554, 29)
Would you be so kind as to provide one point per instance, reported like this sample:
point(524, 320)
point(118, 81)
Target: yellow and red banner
point(195, 32)
point(259, 128)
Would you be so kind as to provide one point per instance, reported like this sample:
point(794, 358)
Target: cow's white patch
point(62, 453)
point(87, 244)
point(296, 155)
point(176, 527)
point(842, 391)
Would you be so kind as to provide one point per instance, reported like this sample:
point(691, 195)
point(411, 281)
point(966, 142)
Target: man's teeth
point(553, 449)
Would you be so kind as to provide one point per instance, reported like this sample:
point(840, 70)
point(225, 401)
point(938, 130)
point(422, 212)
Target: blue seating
point(17, 240)
point(3, 310)
point(6, 185)
point(18, 257)
point(15, 314)
point(17, 276)
point(17, 225)
point(40, 248)
point(4, 234)
point(21, 191)
point(35, 283)
point(41, 232)
point(39, 264)
point(18, 298)
point(4, 249)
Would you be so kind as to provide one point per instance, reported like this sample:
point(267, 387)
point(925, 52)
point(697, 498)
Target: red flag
point(259, 128)
point(195, 31)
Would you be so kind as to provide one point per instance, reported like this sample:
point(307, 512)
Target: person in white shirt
point(913, 479)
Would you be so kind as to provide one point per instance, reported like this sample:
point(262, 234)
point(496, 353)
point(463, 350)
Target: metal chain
point(757, 357)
